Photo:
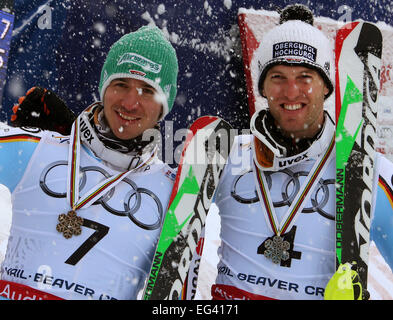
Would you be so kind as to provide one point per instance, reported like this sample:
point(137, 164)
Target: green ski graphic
point(190, 201)
point(344, 145)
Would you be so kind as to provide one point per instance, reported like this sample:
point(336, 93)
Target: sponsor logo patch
point(293, 48)
point(141, 61)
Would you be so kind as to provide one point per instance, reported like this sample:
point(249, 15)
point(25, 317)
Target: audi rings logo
point(132, 201)
point(289, 190)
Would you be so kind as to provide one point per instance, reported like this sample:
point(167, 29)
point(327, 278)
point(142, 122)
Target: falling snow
point(219, 48)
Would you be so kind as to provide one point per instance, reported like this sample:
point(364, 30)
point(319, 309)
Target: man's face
point(295, 97)
point(131, 107)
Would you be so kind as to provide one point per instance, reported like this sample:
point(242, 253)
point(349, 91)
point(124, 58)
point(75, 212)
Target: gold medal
point(69, 224)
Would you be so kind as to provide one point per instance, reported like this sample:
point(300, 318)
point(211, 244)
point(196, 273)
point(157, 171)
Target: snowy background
point(61, 45)
point(65, 53)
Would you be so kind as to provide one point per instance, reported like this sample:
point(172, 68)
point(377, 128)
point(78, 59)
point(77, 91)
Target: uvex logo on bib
point(86, 132)
point(288, 162)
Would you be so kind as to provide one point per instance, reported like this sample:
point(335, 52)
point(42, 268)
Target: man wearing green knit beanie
point(141, 57)
point(145, 55)
point(102, 190)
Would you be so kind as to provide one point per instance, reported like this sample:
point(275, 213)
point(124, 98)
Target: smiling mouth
point(292, 107)
point(125, 117)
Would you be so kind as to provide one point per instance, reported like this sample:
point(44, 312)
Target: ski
point(358, 63)
point(204, 155)
point(6, 27)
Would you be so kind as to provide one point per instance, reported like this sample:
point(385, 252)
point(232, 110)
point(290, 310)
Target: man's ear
point(262, 92)
point(160, 115)
point(326, 90)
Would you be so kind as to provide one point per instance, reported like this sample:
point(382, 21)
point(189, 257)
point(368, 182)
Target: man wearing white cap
point(276, 196)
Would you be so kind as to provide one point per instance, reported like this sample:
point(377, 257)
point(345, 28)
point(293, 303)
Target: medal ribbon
point(299, 201)
point(74, 173)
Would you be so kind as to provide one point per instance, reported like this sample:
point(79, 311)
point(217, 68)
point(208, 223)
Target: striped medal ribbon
point(70, 224)
point(276, 248)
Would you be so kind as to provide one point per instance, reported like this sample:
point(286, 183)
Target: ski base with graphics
point(358, 67)
point(204, 156)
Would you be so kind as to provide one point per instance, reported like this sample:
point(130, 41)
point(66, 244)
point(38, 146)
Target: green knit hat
point(144, 55)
